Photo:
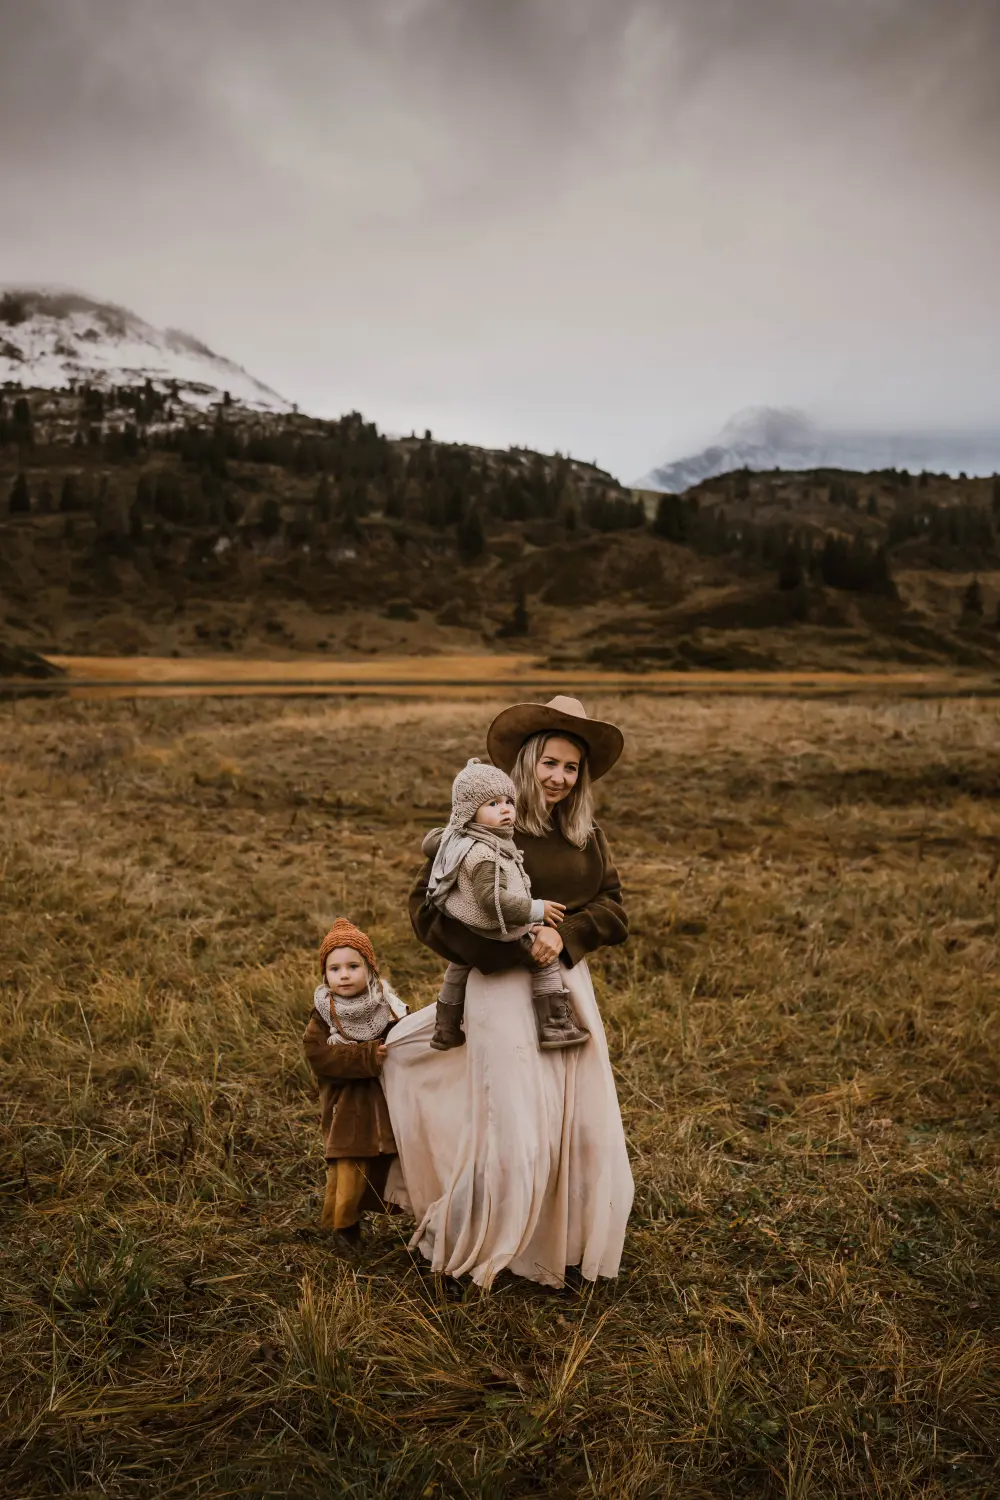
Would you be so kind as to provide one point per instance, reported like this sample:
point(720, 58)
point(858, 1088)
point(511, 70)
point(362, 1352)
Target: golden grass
point(804, 1029)
point(459, 676)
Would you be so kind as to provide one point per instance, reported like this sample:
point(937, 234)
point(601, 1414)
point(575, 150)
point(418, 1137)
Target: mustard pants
point(346, 1181)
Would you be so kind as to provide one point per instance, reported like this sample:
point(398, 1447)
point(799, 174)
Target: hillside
point(131, 525)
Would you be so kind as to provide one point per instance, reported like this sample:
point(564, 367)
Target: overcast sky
point(601, 226)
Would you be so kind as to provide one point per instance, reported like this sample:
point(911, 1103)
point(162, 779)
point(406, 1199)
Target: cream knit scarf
point(362, 1017)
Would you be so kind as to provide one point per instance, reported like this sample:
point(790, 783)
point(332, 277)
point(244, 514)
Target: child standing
point(354, 1010)
point(478, 878)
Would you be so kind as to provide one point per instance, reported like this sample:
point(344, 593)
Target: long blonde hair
point(574, 815)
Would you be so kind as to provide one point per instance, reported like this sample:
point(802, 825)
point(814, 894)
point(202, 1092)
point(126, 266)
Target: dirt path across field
point(459, 676)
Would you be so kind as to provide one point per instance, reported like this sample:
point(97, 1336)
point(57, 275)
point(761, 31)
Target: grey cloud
point(510, 215)
point(516, 85)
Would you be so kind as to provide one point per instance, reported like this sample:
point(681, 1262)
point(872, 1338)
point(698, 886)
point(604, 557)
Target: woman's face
point(557, 769)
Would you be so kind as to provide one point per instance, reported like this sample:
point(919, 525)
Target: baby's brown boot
point(448, 1031)
point(557, 1024)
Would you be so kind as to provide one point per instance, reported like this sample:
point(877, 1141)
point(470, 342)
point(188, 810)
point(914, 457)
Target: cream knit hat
point(475, 784)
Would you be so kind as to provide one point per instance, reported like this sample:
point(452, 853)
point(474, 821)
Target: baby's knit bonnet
point(475, 784)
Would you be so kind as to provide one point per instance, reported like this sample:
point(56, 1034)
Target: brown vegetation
point(131, 526)
point(804, 1031)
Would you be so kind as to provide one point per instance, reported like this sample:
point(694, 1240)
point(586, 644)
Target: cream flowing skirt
point(509, 1157)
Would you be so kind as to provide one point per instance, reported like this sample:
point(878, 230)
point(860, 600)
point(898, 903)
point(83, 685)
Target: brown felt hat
point(560, 715)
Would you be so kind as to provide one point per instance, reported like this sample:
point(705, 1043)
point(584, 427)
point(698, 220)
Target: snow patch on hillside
point(54, 339)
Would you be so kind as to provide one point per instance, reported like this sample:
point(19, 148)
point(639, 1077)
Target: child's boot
point(557, 1026)
point(448, 1031)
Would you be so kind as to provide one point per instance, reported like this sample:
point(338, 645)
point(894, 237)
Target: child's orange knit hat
point(344, 934)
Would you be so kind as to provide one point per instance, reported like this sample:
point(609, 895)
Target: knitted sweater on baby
point(482, 902)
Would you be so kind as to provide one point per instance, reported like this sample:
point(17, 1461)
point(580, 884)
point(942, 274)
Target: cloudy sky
point(601, 226)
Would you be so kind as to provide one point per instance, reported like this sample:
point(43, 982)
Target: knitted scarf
point(362, 1017)
point(456, 843)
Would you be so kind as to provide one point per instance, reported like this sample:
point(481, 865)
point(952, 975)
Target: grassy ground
point(804, 1029)
point(460, 675)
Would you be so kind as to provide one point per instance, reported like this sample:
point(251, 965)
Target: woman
point(514, 1157)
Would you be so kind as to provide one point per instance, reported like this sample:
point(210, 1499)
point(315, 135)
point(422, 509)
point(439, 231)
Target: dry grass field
point(804, 1029)
point(457, 675)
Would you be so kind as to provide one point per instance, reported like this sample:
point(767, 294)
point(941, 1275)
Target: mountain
point(50, 340)
point(765, 438)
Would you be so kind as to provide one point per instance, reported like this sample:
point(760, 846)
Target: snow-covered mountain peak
point(53, 339)
point(767, 438)
point(767, 427)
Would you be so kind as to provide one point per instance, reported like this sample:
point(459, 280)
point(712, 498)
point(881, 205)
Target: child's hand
point(381, 1052)
point(554, 913)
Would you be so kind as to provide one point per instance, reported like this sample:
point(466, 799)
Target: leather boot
point(448, 1031)
point(559, 1029)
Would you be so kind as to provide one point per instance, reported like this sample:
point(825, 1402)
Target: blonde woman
point(515, 1158)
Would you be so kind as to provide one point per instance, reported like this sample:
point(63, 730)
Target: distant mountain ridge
point(52, 339)
point(767, 438)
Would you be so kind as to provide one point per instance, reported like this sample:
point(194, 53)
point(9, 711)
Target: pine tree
point(880, 579)
point(145, 492)
point(349, 511)
point(300, 529)
point(520, 623)
point(790, 574)
point(169, 496)
point(20, 498)
point(23, 431)
point(671, 521)
point(393, 507)
point(972, 599)
point(270, 517)
point(471, 535)
point(323, 502)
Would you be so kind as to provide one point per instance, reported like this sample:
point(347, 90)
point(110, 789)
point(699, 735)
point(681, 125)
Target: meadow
point(805, 1037)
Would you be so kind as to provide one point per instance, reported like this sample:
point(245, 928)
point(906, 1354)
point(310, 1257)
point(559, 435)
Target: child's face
point(499, 812)
point(346, 972)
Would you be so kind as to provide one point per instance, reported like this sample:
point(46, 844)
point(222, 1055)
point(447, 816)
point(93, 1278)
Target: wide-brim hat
point(561, 715)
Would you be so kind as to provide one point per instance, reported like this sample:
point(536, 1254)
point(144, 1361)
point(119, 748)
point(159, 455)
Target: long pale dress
point(508, 1156)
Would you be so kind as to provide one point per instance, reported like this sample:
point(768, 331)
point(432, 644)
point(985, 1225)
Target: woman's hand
point(547, 945)
point(554, 913)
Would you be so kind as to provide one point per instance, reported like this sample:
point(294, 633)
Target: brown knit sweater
point(585, 880)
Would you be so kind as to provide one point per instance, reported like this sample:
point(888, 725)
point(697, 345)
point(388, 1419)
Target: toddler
point(478, 878)
point(354, 1010)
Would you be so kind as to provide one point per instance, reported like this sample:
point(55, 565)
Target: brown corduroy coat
point(354, 1116)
